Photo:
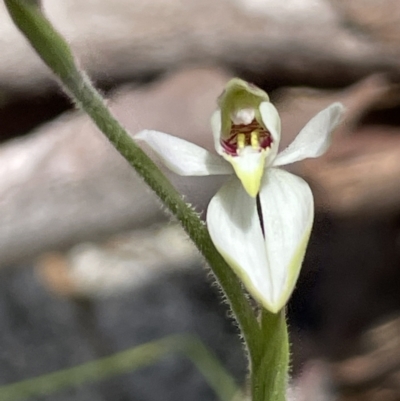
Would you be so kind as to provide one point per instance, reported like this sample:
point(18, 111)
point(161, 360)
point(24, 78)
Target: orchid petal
point(216, 130)
point(235, 230)
point(182, 157)
point(249, 168)
point(314, 139)
point(287, 213)
point(271, 120)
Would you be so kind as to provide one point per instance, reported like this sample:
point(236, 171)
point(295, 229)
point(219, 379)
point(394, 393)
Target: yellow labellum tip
point(249, 170)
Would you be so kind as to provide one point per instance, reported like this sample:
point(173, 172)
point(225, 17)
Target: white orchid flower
point(260, 220)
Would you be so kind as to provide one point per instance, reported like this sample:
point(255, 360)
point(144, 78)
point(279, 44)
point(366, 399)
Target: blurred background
point(90, 263)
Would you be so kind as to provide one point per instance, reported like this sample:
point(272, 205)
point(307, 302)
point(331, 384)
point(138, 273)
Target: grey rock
point(42, 333)
point(306, 41)
point(65, 183)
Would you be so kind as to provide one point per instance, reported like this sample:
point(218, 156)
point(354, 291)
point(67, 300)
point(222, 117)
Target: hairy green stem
point(55, 52)
point(270, 377)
